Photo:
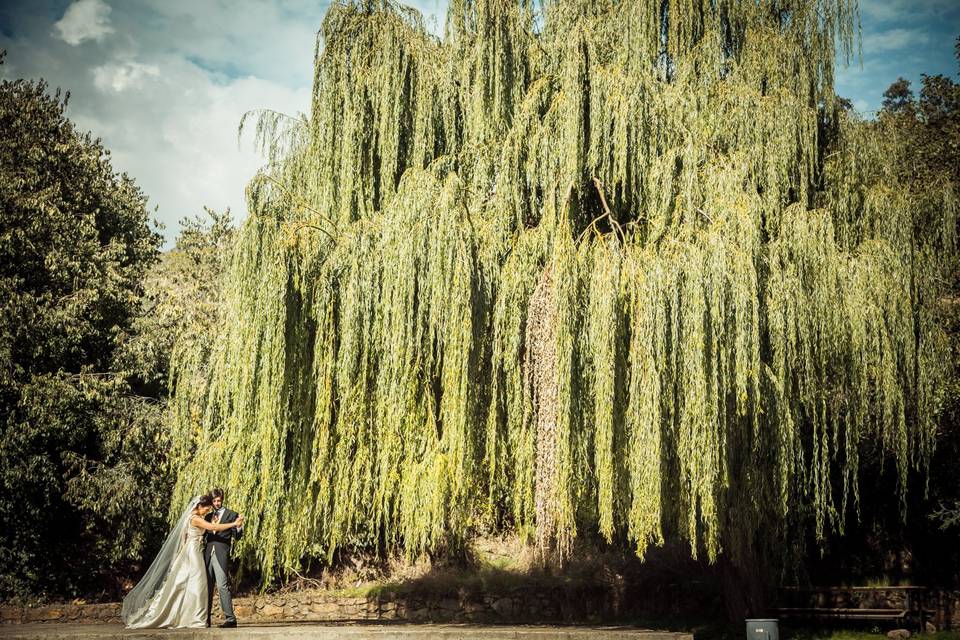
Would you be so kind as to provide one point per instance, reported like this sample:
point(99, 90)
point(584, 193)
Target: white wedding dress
point(181, 600)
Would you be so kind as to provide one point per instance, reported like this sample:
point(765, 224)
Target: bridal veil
point(153, 579)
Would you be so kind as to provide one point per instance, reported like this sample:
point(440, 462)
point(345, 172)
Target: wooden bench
point(842, 613)
point(837, 603)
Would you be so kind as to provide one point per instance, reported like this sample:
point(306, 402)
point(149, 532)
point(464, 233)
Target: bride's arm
point(199, 522)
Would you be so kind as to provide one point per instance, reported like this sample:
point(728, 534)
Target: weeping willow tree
point(618, 268)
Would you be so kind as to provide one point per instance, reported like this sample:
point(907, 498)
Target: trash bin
point(763, 629)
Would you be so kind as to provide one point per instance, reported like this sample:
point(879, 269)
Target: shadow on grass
point(501, 582)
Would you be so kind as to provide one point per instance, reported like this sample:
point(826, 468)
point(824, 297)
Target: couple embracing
point(176, 589)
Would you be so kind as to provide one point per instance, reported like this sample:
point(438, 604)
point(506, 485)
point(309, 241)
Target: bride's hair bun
point(206, 500)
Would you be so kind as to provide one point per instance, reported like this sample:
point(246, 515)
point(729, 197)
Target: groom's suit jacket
point(221, 541)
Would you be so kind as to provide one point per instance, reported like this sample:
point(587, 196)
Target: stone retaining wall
point(92, 613)
point(558, 605)
point(946, 604)
point(521, 605)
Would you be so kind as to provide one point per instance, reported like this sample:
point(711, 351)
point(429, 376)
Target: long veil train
point(153, 579)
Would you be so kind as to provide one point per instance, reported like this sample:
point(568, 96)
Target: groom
point(217, 557)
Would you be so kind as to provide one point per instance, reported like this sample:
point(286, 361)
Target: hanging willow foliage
point(577, 266)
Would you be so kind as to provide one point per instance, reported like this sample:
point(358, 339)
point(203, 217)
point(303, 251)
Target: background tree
point(881, 545)
point(930, 129)
point(181, 310)
point(74, 243)
point(91, 314)
point(181, 301)
point(898, 96)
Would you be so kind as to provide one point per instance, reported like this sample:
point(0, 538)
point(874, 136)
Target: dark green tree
point(898, 96)
point(880, 545)
point(77, 445)
point(933, 131)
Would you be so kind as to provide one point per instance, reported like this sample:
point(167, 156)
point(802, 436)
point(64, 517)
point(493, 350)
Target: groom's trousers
point(217, 571)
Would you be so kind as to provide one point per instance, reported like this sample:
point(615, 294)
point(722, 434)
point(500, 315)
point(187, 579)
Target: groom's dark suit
point(217, 556)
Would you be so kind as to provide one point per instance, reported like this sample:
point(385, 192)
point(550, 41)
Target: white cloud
point(121, 76)
point(900, 10)
point(165, 93)
point(84, 20)
point(177, 134)
point(893, 39)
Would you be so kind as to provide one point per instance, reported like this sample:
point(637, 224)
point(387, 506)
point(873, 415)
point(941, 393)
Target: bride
point(173, 591)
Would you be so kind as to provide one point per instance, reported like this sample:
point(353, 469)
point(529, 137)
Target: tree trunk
point(746, 590)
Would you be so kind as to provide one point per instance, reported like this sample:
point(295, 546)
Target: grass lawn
point(847, 634)
point(738, 632)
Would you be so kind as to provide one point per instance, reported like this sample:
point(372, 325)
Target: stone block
point(36, 614)
point(441, 615)
point(243, 610)
point(448, 604)
point(11, 614)
point(473, 607)
point(271, 611)
point(503, 606)
point(898, 634)
point(327, 608)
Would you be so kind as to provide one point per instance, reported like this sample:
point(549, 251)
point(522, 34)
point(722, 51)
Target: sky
point(164, 83)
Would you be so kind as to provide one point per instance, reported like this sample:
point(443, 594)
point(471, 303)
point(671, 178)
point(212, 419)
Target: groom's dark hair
point(216, 493)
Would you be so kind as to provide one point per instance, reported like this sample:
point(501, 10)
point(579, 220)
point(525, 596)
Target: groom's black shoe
point(229, 624)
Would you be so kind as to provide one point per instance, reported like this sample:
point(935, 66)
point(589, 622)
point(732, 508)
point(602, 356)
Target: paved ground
point(302, 631)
